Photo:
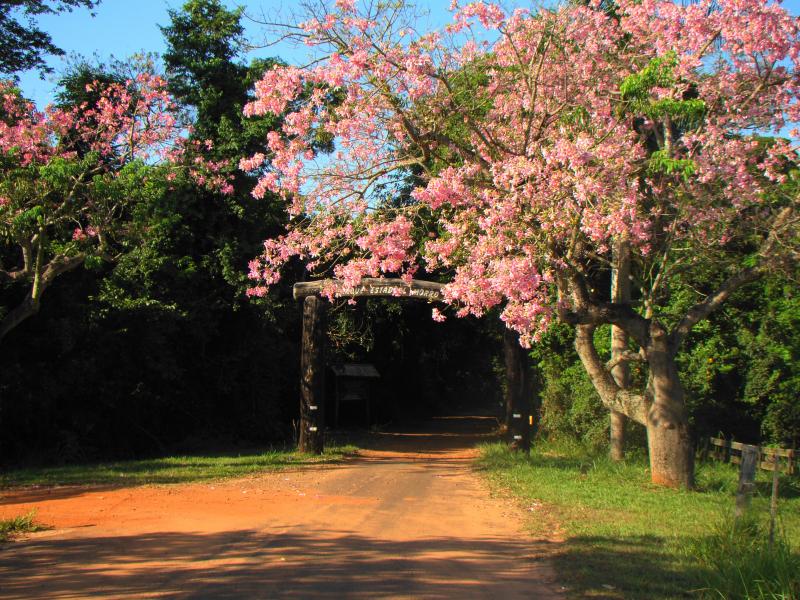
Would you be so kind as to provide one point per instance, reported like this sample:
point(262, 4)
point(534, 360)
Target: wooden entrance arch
point(312, 357)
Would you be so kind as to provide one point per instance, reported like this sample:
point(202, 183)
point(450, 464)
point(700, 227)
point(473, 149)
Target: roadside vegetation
point(17, 525)
point(172, 469)
point(626, 538)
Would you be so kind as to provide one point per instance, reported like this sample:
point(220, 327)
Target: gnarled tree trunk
point(661, 409)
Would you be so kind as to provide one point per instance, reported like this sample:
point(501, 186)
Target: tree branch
point(700, 311)
point(624, 358)
point(30, 304)
point(12, 275)
point(703, 309)
point(621, 315)
point(632, 405)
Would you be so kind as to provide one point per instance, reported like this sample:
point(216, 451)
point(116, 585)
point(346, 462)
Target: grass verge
point(173, 469)
point(624, 537)
point(22, 524)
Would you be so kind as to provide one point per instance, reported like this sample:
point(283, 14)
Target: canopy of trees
point(515, 157)
point(578, 127)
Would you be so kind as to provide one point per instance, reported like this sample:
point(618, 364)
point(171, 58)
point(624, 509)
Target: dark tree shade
point(22, 44)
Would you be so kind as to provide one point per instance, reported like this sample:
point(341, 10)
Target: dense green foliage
point(162, 347)
point(741, 369)
point(626, 538)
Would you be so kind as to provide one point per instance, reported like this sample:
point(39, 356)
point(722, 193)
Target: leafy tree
point(70, 175)
point(189, 273)
point(204, 43)
point(590, 129)
point(22, 44)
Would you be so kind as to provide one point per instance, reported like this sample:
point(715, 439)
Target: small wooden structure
point(312, 359)
point(353, 385)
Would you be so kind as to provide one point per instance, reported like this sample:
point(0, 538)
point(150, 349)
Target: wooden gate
point(312, 357)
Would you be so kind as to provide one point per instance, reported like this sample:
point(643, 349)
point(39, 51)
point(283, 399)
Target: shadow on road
point(253, 564)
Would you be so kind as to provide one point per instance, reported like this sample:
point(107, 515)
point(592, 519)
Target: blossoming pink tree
point(70, 176)
point(544, 140)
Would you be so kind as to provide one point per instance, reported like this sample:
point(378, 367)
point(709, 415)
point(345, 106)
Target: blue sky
point(124, 27)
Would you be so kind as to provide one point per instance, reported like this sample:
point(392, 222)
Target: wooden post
point(747, 477)
point(773, 503)
point(312, 377)
point(704, 446)
point(518, 404)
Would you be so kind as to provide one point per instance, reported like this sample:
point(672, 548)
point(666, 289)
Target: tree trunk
point(620, 294)
point(518, 402)
point(661, 410)
point(312, 377)
point(617, 435)
point(669, 438)
point(671, 455)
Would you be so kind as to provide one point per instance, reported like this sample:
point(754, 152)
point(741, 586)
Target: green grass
point(173, 469)
point(22, 524)
point(626, 538)
point(740, 563)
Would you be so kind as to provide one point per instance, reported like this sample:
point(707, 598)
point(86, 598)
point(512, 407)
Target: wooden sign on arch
point(430, 291)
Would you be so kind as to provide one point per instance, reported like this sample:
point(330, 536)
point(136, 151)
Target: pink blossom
point(542, 166)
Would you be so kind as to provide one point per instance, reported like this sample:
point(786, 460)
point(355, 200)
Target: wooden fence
point(769, 459)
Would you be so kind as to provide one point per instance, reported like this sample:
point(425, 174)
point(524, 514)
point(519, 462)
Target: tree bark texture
point(312, 377)
point(620, 294)
point(518, 388)
point(669, 438)
point(661, 409)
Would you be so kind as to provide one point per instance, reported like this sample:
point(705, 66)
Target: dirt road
point(405, 519)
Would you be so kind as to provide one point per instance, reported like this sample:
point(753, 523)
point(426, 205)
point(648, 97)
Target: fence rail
point(769, 459)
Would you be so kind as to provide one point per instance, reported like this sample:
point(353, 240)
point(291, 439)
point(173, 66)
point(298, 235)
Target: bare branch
point(30, 304)
point(624, 358)
point(8, 276)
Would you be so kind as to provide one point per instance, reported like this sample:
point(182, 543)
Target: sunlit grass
point(172, 469)
point(626, 538)
point(21, 524)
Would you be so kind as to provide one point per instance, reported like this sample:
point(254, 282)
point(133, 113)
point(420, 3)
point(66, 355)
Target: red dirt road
point(406, 519)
